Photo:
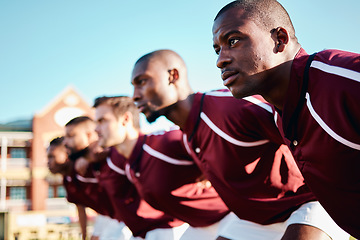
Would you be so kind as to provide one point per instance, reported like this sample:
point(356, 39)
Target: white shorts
point(174, 233)
point(311, 213)
point(209, 232)
point(107, 228)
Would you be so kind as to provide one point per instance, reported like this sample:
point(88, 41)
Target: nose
point(223, 59)
point(97, 128)
point(65, 141)
point(136, 94)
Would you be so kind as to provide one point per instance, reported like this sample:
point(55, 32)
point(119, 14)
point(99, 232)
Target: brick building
point(25, 181)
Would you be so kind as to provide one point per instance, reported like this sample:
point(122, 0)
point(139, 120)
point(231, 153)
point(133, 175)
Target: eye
point(141, 81)
point(217, 50)
point(233, 41)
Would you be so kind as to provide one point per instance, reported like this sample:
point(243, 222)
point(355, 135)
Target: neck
point(275, 89)
point(127, 146)
point(276, 86)
point(179, 111)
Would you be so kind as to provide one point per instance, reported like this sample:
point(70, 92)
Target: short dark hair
point(120, 105)
point(56, 141)
point(78, 120)
point(269, 14)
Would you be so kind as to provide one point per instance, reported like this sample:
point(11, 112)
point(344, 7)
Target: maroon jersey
point(168, 179)
point(86, 191)
point(129, 207)
point(236, 144)
point(324, 132)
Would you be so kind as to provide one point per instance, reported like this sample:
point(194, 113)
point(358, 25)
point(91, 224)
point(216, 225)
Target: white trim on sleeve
point(342, 72)
point(165, 158)
point(228, 138)
point(259, 103)
point(326, 128)
point(114, 167)
point(86, 180)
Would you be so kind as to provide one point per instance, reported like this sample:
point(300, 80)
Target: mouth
point(140, 106)
point(228, 77)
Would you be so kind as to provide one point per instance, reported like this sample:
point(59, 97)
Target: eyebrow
point(137, 78)
point(100, 119)
point(226, 36)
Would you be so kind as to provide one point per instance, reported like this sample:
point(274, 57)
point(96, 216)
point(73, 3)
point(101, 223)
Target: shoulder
point(338, 58)
point(335, 71)
point(167, 143)
point(223, 108)
point(223, 98)
point(165, 136)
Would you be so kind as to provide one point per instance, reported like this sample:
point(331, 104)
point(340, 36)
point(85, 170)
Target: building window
point(17, 193)
point(51, 192)
point(17, 153)
point(61, 192)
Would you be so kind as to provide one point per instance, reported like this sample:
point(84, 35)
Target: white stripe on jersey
point(186, 144)
point(276, 116)
point(86, 180)
point(128, 173)
point(258, 103)
point(219, 94)
point(228, 138)
point(249, 99)
point(165, 158)
point(326, 128)
point(343, 72)
point(113, 167)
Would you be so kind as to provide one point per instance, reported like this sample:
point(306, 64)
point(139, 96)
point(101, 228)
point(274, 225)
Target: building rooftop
point(24, 125)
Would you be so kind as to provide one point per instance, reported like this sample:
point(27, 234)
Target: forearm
point(82, 220)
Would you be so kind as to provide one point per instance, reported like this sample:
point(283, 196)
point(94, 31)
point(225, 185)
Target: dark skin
point(253, 60)
point(175, 103)
point(256, 61)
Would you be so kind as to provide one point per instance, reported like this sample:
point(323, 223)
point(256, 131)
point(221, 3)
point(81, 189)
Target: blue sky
point(46, 46)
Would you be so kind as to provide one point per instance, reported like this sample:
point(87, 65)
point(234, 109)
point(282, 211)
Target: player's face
point(57, 157)
point(76, 137)
point(244, 51)
point(152, 90)
point(110, 129)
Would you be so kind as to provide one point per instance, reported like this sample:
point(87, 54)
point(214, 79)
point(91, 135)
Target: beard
point(153, 116)
point(165, 111)
point(75, 155)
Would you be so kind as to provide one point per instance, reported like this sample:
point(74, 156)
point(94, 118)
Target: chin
point(234, 92)
point(239, 93)
point(152, 116)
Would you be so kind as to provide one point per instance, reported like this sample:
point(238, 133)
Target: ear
point(281, 38)
point(126, 118)
point(173, 75)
